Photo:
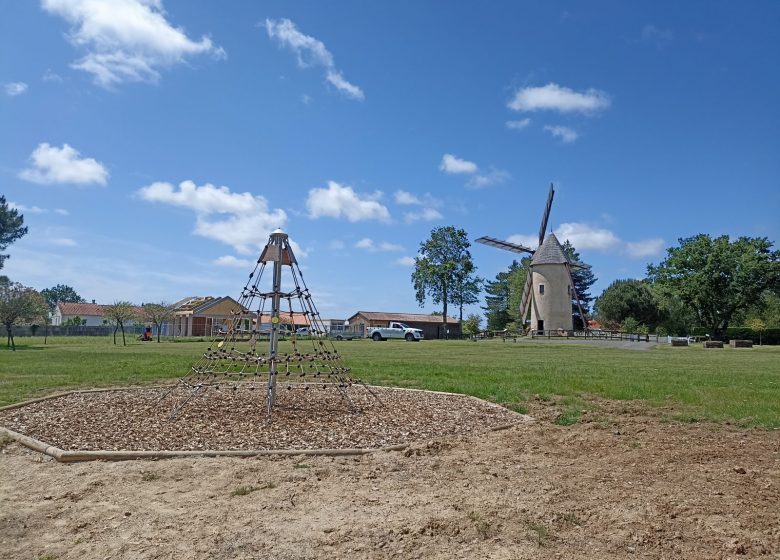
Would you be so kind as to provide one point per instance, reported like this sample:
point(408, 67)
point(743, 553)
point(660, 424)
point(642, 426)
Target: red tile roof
point(81, 309)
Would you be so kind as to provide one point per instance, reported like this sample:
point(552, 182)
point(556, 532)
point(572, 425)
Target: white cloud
point(336, 245)
point(566, 134)
point(452, 164)
point(240, 220)
point(404, 197)
point(405, 261)
point(339, 201)
point(424, 215)
point(645, 248)
point(233, 262)
point(530, 241)
point(126, 40)
point(52, 165)
point(13, 89)
point(369, 245)
point(553, 97)
point(585, 236)
point(63, 242)
point(27, 209)
point(483, 180)
point(518, 125)
point(61, 212)
point(311, 52)
point(50, 76)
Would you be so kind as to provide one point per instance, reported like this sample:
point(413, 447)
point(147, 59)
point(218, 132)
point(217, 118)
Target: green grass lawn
point(739, 385)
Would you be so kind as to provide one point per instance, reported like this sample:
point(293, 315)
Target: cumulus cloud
point(405, 261)
point(483, 180)
point(518, 125)
point(339, 201)
point(241, 220)
point(553, 97)
point(423, 215)
point(233, 262)
point(13, 89)
point(564, 133)
point(26, 209)
point(126, 40)
point(453, 164)
point(585, 236)
point(369, 245)
point(311, 52)
point(52, 165)
point(645, 248)
point(530, 241)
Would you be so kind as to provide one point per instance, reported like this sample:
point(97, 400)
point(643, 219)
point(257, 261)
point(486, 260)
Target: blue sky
point(152, 146)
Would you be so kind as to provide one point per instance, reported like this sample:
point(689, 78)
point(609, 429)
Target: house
point(204, 315)
point(91, 314)
point(431, 325)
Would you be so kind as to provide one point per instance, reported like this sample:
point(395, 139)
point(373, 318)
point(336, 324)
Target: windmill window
point(541, 289)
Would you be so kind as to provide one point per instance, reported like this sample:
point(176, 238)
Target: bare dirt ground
point(621, 483)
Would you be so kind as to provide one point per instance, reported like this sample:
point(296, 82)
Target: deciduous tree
point(157, 314)
point(717, 277)
point(18, 304)
point(119, 313)
point(60, 293)
point(442, 260)
point(628, 298)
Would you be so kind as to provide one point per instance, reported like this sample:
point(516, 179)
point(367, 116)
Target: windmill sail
point(546, 215)
point(525, 299)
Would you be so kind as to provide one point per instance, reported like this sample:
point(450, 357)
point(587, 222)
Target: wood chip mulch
point(236, 420)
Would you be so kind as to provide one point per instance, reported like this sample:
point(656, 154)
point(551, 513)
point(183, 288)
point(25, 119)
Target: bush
point(768, 336)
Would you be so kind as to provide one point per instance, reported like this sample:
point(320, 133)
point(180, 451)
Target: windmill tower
point(549, 287)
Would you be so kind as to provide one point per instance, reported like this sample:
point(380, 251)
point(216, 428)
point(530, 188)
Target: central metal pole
point(275, 321)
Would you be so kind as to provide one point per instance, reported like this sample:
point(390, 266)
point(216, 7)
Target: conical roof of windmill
point(549, 252)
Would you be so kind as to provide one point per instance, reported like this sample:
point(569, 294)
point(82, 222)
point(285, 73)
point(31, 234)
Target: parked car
point(395, 330)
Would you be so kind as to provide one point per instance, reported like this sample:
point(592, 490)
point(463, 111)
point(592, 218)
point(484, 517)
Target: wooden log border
point(64, 456)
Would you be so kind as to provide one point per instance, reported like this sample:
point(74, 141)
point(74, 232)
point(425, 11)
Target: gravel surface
point(236, 420)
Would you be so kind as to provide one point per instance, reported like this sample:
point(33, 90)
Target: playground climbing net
point(233, 361)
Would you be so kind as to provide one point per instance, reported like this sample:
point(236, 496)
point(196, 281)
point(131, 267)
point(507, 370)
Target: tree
point(471, 325)
point(442, 260)
point(500, 297)
point(11, 227)
point(18, 304)
point(583, 279)
point(119, 313)
point(157, 314)
point(61, 293)
point(758, 326)
point(628, 298)
point(718, 277)
point(466, 290)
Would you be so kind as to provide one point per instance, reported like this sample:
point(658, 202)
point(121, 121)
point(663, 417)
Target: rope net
point(245, 354)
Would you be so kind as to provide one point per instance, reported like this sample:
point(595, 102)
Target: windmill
point(549, 286)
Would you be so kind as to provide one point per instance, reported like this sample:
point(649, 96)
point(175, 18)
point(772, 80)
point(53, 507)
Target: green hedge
point(769, 336)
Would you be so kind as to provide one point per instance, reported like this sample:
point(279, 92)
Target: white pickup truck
point(395, 330)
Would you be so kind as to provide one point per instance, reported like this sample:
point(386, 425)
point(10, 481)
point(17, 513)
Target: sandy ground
point(622, 483)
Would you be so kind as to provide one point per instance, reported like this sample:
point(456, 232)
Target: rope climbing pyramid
point(236, 360)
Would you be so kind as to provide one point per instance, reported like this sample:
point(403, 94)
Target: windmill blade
point(546, 215)
point(506, 245)
point(525, 299)
point(576, 297)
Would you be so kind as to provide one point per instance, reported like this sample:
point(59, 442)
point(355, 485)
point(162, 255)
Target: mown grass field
point(735, 385)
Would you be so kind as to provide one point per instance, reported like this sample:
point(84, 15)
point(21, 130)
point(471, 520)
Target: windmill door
point(540, 326)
